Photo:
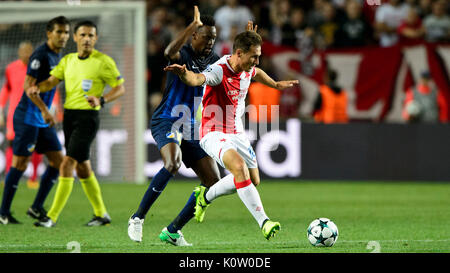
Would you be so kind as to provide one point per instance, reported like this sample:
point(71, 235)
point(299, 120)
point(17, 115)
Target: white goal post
point(119, 152)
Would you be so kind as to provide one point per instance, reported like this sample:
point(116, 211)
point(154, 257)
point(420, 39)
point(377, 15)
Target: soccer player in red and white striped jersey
point(222, 136)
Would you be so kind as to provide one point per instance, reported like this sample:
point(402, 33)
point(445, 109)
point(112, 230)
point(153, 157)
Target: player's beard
point(206, 51)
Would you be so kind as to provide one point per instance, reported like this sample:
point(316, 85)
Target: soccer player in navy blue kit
point(33, 124)
point(175, 129)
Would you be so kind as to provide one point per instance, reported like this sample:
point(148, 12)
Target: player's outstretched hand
point(286, 84)
point(176, 69)
point(250, 26)
point(197, 20)
point(93, 101)
point(32, 91)
point(48, 118)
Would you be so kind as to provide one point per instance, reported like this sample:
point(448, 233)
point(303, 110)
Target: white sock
point(224, 186)
point(250, 197)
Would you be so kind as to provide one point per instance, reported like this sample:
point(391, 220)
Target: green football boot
point(200, 203)
point(270, 228)
point(176, 239)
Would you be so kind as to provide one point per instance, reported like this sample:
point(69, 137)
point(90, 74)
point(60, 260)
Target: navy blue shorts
point(30, 138)
point(163, 133)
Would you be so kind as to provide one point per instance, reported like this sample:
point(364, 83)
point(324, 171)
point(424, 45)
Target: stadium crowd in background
point(303, 24)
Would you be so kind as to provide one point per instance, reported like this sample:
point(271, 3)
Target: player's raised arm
point(188, 77)
point(250, 27)
point(263, 78)
point(172, 51)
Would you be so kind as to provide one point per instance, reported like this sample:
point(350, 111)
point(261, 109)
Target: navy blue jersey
point(41, 62)
point(179, 99)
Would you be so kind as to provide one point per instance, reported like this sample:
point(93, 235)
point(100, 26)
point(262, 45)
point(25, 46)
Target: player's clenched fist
point(32, 91)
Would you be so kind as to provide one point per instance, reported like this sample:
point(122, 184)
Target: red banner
point(375, 78)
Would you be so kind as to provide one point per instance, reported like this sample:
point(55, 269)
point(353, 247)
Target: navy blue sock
point(11, 183)
point(155, 188)
point(48, 179)
point(184, 216)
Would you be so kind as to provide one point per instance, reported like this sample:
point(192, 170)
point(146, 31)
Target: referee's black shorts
point(80, 128)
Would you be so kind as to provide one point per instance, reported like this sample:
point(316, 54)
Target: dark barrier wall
point(356, 151)
point(376, 151)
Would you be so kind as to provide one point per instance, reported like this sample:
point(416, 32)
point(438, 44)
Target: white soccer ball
point(322, 232)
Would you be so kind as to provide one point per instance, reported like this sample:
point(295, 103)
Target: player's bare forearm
point(48, 84)
point(172, 50)
point(188, 77)
point(32, 91)
point(193, 79)
point(29, 82)
point(263, 78)
point(115, 93)
point(36, 99)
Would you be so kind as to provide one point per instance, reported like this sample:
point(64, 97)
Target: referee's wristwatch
point(102, 101)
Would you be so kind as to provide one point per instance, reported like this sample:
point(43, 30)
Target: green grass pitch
point(402, 217)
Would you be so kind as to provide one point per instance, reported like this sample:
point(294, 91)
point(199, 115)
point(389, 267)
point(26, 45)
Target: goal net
point(118, 153)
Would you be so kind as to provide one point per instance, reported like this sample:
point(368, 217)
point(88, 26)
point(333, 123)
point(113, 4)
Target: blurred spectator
point(353, 29)
point(315, 15)
point(232, 13)
point(332, 102)
point(209, 7)
point(226, 47)
point(279, 16)
point(157, 25)
point(388, 18)
point(297, 34)
point(176, 25)
point(155, 63)
point(292, 31)
point(437, 24)
point(424, 102)
point(369, 11)
point(327, 29)
point(424, 8)
point(262, 13)
point(161, 26)
point(411, 29)
point(290, 102)
point(11, 92)
point(411, 3)
point(262, 96)
point(339, 4)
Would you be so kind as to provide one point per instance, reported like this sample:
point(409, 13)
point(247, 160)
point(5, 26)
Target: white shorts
point(215, 144)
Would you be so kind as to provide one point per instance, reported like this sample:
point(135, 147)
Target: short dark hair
point(245, 40)
point(86, 23)
point(60, 20)
point(208, 20)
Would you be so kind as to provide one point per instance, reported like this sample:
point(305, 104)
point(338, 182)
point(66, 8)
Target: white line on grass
point(7, 246)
